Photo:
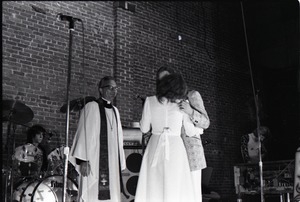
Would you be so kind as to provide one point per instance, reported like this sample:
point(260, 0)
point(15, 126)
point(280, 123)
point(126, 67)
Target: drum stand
point(14, 112)
point(10, 172)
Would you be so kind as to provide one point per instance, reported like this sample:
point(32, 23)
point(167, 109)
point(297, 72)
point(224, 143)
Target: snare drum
point(27, 160)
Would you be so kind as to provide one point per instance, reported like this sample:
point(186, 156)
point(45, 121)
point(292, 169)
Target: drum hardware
point(27, 160)
point(56, 164)
point(15, 112)
point(6, 175)
point(72, 192)
point(50, 187)
point(56, 161)
point(77, 104)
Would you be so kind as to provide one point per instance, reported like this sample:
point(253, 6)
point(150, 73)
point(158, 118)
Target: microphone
point(63, 17)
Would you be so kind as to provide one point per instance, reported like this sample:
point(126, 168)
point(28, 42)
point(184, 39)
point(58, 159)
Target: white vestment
point(165, 173)
point(86, 147)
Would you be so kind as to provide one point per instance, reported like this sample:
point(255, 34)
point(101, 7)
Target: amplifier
point(131, 144)
point(134, 156)
point(133, 148)
point(132, 135)
point(277, 177)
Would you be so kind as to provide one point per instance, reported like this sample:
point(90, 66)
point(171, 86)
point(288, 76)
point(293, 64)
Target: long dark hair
point(165, 68)
point(171, 87)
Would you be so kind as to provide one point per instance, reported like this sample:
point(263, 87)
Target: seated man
point(250, 145)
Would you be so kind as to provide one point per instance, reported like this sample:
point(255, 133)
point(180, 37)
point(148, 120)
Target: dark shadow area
point(273, 38)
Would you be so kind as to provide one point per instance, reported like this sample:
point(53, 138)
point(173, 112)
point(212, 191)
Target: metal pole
point(8, 167)
point(66, 148)
point(257, 111)
point(259, 152)
point(9, 157)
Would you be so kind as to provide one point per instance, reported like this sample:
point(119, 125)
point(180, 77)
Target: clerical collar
point(106, 103)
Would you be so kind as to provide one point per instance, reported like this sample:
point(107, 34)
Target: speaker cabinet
point(130, 175)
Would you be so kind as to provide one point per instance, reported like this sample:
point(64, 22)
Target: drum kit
point(27, 160)
point(24, 179)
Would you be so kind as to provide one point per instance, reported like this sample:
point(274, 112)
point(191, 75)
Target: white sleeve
point(121, 144)
point(85, 143)
point(145, 122)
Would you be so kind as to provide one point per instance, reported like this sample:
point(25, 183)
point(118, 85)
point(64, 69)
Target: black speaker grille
point(131, 184)
point(133, 162)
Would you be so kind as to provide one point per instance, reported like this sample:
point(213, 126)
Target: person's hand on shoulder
point(186, 107)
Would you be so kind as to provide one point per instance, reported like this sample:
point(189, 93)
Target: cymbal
point(77, 104)
point(16, 111)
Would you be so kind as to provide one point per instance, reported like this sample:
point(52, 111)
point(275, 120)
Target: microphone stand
point(66, 148)
point(259, 150)
point(257, 111)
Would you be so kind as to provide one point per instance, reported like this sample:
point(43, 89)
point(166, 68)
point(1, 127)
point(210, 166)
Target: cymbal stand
point(8, 174)
point(12, 170)
point(8, 159)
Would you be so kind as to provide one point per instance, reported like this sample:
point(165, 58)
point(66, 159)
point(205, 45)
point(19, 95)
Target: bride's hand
point(186, 107)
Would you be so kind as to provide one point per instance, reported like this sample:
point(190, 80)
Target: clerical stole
point(104, 192)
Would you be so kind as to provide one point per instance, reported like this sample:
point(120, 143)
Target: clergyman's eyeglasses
point(114, 88)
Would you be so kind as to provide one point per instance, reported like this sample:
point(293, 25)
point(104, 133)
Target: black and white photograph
point(151, 101)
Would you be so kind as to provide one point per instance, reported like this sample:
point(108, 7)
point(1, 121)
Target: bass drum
point(20, 188)
point(51, 189)
point(46, 194)
point(23, 192)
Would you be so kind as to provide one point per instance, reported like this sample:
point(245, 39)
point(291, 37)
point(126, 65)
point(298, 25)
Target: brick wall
point(130, 46)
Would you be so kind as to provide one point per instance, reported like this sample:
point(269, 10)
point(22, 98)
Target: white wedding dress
point(165, 174)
